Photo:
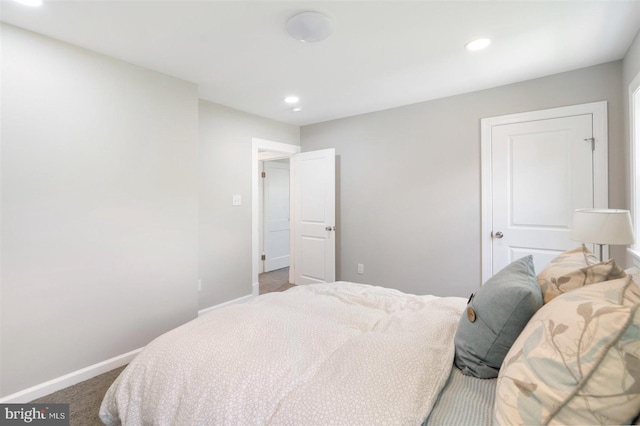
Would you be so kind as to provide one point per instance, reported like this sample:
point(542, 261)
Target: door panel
point(276, 215)
point(314, 216)
point(541, 188)
point(541, 171)
point(312, 263)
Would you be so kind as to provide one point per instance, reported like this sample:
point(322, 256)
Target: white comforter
point(322, 354)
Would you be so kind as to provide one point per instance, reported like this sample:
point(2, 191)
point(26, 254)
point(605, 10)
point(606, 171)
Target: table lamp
point(602, 226)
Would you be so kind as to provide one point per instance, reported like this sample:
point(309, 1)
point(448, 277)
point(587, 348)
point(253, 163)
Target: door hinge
point(593, 143)
point(263, 257)
point(264, 174)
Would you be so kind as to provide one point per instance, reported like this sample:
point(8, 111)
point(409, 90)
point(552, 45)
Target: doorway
point(312, 212)
point(275, 212)
point(263, 150)
point(275, 215)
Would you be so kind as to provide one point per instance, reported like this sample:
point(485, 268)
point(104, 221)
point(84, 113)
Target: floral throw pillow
point(573, 269)
point(576, 362)
point(632, 294)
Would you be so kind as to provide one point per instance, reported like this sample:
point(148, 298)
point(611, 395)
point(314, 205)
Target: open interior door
point(314, 241)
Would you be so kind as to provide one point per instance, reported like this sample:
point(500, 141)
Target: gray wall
point(103, 181)
point(630, 68)
point(99, 207)
point(225, 169)
point(409, 178)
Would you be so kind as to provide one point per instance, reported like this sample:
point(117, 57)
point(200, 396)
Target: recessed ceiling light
point(478, 44)
point(32, 3)
point(309, 26)
point(292, 99)
point(296, 109)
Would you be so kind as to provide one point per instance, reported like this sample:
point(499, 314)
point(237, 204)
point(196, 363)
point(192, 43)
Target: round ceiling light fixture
point(309, 27)
point(292, 99)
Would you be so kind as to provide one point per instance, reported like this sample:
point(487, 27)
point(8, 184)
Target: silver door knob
point(499, 234)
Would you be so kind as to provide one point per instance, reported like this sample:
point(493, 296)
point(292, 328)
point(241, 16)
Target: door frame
point(600, 164)
point(281, 149)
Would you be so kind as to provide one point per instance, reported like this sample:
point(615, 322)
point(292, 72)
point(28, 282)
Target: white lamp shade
point(602, 226)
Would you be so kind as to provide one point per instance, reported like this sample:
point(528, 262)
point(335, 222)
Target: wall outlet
point(237, 200)
point(360, 268)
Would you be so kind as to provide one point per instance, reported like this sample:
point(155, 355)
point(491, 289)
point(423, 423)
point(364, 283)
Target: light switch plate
point(237, 200)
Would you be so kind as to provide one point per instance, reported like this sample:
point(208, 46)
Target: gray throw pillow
point(494, 318)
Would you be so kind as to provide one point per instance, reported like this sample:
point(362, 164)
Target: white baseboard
point(94, 370)
point(70, 379)
point(230, 302)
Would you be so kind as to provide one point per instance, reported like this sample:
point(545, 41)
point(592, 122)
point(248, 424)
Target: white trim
point(271, 156)
point(259, 145)
point(601, 167)
point(601, 156)
point(633, 152)
point(70, 379)
point(635, 256)
point(486, 179)
point(230, 302)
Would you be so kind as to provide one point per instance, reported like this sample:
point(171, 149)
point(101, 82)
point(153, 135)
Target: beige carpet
point(277, 280)
point(84, 399)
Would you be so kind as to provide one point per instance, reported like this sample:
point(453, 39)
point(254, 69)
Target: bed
point(347, 353)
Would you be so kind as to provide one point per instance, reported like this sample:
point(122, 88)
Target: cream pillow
point(632, 294)
point(576, 362)
point(573, 269)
